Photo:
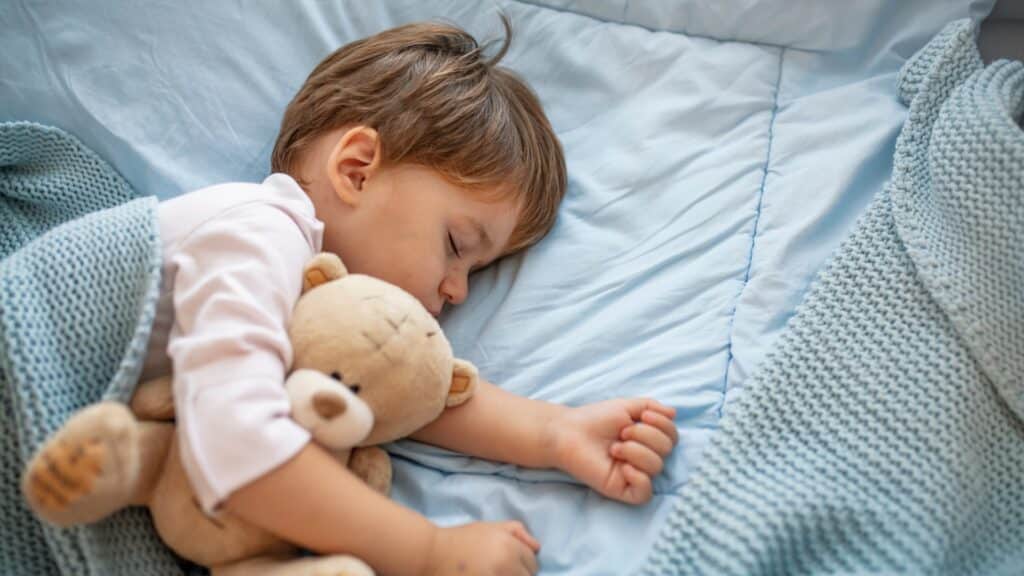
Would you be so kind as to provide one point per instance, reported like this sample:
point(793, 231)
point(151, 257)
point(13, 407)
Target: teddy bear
point(370, 366)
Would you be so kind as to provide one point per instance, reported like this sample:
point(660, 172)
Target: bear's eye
point(336, 376)
point(431, 333)
point(355, 388)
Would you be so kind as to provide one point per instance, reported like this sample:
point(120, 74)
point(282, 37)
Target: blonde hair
point(435, 100)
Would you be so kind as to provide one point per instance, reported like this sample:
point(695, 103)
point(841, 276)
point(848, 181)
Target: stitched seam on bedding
point(753, 233)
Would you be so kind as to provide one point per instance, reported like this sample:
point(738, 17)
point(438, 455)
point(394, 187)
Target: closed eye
point(451, 242)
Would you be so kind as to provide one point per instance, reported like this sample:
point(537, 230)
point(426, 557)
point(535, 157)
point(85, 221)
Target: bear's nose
point(328, 405)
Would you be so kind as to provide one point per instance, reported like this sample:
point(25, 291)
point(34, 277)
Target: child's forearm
point(314, 502)
point(497, 425)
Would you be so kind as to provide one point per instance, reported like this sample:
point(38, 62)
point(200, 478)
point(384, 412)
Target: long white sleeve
point(236, 279)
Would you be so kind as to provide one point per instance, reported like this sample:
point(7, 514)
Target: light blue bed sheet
point(717, 153)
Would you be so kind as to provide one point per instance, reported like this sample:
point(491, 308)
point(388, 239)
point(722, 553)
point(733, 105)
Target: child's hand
point(615, 446)
point(485, 548)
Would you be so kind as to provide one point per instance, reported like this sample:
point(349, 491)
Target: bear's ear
point(323, 268)
point(464, 381)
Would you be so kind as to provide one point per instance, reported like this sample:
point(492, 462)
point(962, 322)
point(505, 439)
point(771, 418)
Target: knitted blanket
point(79, 277)
point(884, 433)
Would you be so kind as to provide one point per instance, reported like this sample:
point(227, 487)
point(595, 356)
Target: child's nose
point(454, 290)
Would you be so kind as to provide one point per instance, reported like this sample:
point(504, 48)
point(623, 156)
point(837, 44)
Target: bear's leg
point(93, 466)
point(373, 465)
point(153, 442)
point(337, 565)
point(154, 400)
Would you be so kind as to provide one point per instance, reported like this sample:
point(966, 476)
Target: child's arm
point(505, 427)
point(615, 447)
point(316, 503)
point(232, 297)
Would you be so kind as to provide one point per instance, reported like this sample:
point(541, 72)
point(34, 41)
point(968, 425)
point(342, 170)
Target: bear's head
point(381, 344)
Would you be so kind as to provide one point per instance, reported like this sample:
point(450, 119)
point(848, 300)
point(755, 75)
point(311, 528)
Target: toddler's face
point(417, 230)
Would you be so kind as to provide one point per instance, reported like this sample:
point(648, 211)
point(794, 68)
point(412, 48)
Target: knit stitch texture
point(884, 433)
point(79, 277)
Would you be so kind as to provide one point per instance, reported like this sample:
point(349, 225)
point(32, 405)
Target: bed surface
point(717, 153)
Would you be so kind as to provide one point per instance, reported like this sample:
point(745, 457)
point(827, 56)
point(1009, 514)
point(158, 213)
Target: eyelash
point(451, 242)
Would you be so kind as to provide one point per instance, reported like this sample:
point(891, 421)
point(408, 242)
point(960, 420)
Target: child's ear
point(354, 159)
point(464, 381)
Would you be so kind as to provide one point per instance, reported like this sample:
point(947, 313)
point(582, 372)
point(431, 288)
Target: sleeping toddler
point(417, 161)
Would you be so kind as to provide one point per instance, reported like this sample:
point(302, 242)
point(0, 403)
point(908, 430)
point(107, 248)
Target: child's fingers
point(528, 550)
point(653, 438)
point(638, 455)
point(637, 406)
point(660, 408)
point(529, 563)
point(638, 485)
point(662, 423)
point(528, 560)
point(519, 531)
